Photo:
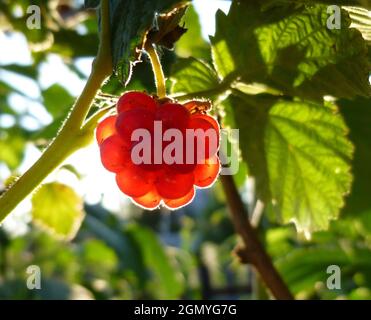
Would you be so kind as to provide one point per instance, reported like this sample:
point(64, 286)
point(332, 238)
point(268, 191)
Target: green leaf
point(167, 283)
point(357, 115)
point(57, 100)
point(233, 151)
point(6, 88)
point(299, 155)
point(58, 209)
point(71, 44)
point(73, 170)
point(361, 19)
point(117, 239)
point(28, 71)
point(304, 267)
point(130, 19)
point(192, 43)
point(98, 257)
point(12, 147)
point(254, 45)
point(192, 75)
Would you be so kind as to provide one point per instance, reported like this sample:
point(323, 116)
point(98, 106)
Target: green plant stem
point(253, 251)
point(73, 134)
point(157, 70)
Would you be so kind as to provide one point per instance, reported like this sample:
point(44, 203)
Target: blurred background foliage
point(121, 252)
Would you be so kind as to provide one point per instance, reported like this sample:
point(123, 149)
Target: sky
point(97, 184)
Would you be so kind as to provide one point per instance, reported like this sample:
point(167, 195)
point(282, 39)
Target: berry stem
point(157, 70)
point(253, 251)
point(73, 135)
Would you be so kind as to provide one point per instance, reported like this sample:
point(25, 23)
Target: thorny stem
point(73, 135)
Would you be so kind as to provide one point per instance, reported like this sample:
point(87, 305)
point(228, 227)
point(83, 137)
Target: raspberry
point(175, 167)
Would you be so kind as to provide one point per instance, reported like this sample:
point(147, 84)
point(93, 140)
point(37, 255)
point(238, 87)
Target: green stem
point(72, 136)
point(157, 70)
point(92, 122)
point(102, 68)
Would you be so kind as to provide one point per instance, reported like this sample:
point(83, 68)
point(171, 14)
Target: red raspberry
point(152, 184)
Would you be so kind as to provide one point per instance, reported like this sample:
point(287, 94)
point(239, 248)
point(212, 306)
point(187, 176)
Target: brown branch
point(253, 251)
